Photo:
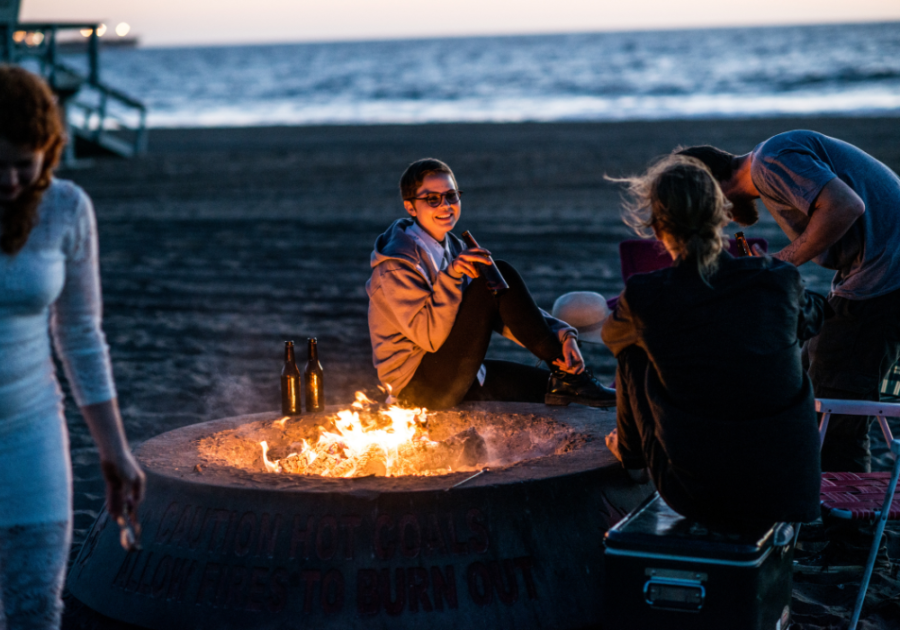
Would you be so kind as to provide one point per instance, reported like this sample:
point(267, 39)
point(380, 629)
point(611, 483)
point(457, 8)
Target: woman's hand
point(464, 264)
point(572, 361)
point(124, 486)
point(124, 478)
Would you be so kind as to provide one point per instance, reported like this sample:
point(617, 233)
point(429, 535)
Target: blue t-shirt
point(790, 170)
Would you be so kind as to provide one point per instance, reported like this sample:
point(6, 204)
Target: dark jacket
point(733, 408)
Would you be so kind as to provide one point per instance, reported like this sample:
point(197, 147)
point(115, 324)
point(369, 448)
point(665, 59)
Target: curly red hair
point(30, 118)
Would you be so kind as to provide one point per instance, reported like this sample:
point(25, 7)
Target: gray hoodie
point(412, 307)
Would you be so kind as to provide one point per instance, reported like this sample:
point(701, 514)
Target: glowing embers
point(373, 440)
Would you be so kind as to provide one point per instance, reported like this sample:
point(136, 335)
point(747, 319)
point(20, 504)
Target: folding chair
point(646, 255)
point(862, 496)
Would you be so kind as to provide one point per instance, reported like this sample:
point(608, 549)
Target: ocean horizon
point(844, 69)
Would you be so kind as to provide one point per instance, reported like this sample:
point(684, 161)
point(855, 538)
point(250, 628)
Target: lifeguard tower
point(101, 120)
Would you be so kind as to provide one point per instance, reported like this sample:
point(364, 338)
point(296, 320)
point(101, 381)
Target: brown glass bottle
point(743, 245)
point(312, 379)
point(290, 382)
point(495, 280)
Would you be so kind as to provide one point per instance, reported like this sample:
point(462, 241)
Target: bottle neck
point(313, 350)
point(289, 353)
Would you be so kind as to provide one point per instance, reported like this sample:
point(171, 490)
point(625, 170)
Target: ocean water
point(833, 69)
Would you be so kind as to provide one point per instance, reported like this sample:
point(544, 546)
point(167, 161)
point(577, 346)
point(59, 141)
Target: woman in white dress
point(49, 287)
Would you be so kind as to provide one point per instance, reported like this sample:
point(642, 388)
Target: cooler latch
point(669, 589)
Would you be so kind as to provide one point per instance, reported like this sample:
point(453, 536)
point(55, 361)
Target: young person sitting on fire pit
point(712, 396)
point(431, 314)
point(49, 288)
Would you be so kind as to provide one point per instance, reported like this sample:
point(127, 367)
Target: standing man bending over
point(841, 208)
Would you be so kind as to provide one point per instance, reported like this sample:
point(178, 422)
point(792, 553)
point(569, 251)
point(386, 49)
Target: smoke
point(240, 394)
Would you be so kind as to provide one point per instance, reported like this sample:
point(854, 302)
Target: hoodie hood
point(396, 244)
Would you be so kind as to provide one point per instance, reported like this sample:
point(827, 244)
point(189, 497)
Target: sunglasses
point(436, 200)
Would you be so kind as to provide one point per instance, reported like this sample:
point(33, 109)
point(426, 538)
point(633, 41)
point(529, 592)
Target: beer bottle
point(743, 245)
point(312, 379)
point(495, 280)
point(290, 382)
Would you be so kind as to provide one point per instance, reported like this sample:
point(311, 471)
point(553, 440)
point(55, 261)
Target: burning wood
point(371, 440)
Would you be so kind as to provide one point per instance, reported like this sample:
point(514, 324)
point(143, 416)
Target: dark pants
point(447, 377)
point(638, 444)
point(848, 360)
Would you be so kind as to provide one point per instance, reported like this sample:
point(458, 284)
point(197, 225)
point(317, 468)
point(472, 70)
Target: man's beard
point(744, 210)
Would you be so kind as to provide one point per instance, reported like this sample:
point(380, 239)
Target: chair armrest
point(858, 407)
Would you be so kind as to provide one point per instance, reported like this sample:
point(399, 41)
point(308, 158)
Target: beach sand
point(220, 244)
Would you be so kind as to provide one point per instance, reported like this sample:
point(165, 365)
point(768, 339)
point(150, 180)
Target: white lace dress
point(51, 287)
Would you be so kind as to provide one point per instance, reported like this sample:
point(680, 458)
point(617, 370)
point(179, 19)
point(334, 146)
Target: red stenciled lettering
point(246, 531)
point(367, 592)
point(507, 589)
point(161, 576)
point(349, 525)
point(459, 547)
point(209, 581)
point(479, 542)
point(418, 589)
point(278, 590)
point(525, 565)
point(333, 592)
point(257, 589)
point(392, 606)
point(167, 524)
point(410, 536)
point(479, 579)
point(443, 586)
point(326, 539)
point(299, 534)
point(434, 539)
point(310, 578)
point(385, 547)
point(268, 535)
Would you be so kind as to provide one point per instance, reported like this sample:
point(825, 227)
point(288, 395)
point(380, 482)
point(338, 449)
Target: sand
point(220, 244)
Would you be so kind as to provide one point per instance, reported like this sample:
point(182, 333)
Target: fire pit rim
point(174, 454)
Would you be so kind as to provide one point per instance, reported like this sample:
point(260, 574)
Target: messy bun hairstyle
point(680, 197)
point(29, 119)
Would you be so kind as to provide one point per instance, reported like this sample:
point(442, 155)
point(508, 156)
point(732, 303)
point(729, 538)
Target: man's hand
point(572, 361)
point(464, 264)
point(833, 213)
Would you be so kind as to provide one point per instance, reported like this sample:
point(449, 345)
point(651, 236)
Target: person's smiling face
point(19, 169)
point(440, 220)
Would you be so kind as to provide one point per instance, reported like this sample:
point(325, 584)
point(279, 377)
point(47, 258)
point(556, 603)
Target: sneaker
point(564, 388)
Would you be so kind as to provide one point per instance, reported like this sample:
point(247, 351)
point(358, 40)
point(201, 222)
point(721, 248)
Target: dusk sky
point(187, 22)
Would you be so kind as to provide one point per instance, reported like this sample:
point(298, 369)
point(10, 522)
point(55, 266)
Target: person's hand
point(757, 251)
point(612, 443)
point(124, 485)
point(572, 361)
point(464, 264)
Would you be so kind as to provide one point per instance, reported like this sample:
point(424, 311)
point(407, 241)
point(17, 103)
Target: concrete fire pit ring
point(516, 547)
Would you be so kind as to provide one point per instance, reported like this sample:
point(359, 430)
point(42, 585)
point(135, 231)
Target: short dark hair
point(416, 173)
point(718, 162)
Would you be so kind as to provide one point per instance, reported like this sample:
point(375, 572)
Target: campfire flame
point(366, 440)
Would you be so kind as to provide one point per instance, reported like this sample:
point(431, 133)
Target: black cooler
point(663, 571)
